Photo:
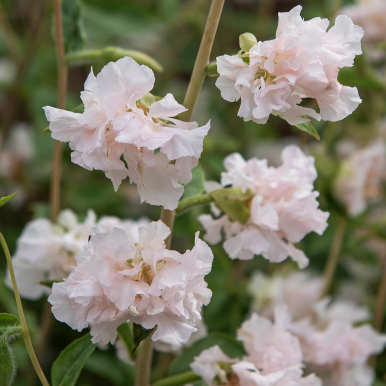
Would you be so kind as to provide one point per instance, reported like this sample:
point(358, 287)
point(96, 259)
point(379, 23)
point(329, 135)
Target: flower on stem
point(283, 210)
point(46, 251)
point(121, 119)
point(303, 61)
point(361, 178)
point(118, 279)
point(274, 356)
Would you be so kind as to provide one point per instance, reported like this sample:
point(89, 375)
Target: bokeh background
point(170, 31)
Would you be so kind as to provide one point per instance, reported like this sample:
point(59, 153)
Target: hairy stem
point(200, 199)
point(167, 216)
point(380, 305)
point(26, 335)
point(178, 380)
point(333, 256)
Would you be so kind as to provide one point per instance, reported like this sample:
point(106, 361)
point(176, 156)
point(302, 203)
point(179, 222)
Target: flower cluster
point(46, 251)
point(333, 345)
point(274, 356)
point(120, 119)
point(302, 62)
point(361, 177)
point(283, 210)
point(118, 279)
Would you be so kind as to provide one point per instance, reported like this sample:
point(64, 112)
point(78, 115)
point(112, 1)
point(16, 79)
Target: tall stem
point(47, 319)
point(62, 89)
point(333, 256)
point(381, 302)
point(167, 216)
point(26, 335)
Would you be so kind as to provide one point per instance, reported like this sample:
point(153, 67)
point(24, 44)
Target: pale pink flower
point(283, 210)
point(361, 178)
point(303, 61)
point(369, 14)
point(117, 280)
point(297, 290)
point(46, 251)
point(335, 348)
point(117, 122)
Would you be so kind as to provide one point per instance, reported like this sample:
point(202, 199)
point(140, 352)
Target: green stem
point(112, 54)
point(200, 199)
point(26, 335)
point(333, 256)
point(178, 380)
point(143, 362)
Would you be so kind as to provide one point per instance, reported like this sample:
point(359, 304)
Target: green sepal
point(8, 320)
point(211, 70)
point(4, 200)
point(305, 126)
point(234, 203)
point(125, 333)
point(139, 334)
point(196, 185)
point(147, 100)
point(67, 367)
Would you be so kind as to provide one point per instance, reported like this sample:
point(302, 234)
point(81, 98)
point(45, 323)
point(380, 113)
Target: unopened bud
point(247, 41)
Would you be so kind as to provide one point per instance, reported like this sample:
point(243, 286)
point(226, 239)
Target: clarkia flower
point(303, 61)
point(283, 210)
point(46, 251)
point(121, 119)
point(118, 279)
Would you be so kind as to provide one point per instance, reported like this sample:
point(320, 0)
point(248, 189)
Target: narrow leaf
point(67, 367)
point(308, 128)
point(4, 200)
point(233, 202)
point(196, 185)
point(139, 334)
point(7, 320)
point(111, 53)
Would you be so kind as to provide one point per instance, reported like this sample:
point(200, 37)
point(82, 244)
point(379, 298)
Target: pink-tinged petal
point(167, 107)
point(186, 143)
point(184, 166)
point(213, 227)
point(264, 215)
point(120, 81)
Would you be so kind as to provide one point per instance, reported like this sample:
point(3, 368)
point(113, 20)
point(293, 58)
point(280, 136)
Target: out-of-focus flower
point(46, 251)
point(369, 14)
point(121, 118)
point(283, 210)
point(117, 279)
point(361, 177)
point(302, 62)
point(336, 349)
point(297, 290)
point(274, 357)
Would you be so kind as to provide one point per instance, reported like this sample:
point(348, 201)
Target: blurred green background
point(169, 31)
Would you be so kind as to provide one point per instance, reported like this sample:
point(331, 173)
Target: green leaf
point(7, 320)
point(7, 366)
point(50, 283)
point(73, 30)
point(227, 343)
point(139, 334)
point(112, 53)
point(67, 367)
point(233, 202)
point(125, 333)
point(308, 128)
point(196, 185)
point(4, 200)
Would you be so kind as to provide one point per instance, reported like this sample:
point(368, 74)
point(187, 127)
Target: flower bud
point(247, 41)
